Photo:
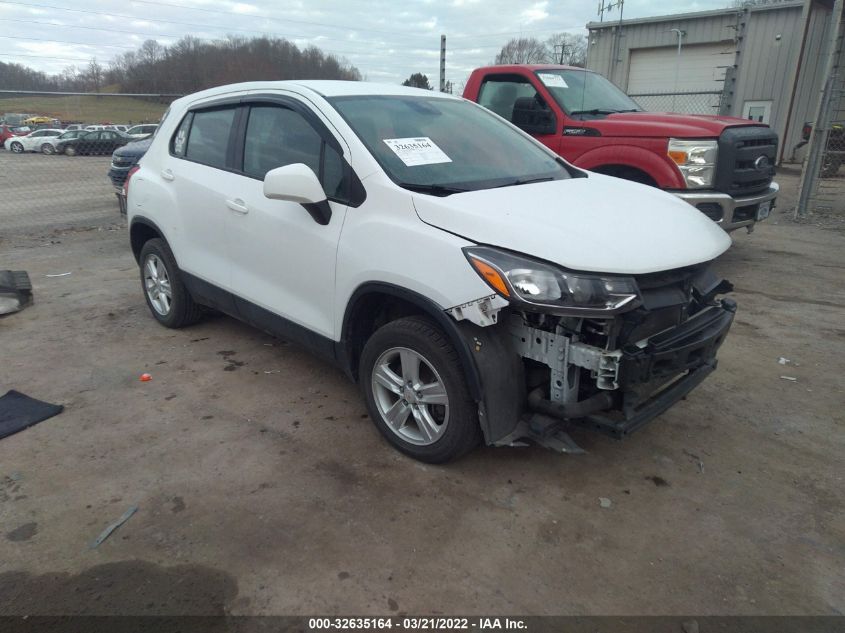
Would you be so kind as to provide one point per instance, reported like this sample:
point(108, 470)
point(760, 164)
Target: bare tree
point(523, 50)
point(568, 48)
point(94, 75)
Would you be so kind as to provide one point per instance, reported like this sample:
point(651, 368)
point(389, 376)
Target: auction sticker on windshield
point(417, 151)
point(553, 81)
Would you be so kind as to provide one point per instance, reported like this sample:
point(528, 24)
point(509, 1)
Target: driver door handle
point(238, 206)
point(167, 175)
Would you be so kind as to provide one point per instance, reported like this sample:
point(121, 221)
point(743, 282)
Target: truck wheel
point(16, 147)
point(167, 297)
point(416, 392)
point(48, 148)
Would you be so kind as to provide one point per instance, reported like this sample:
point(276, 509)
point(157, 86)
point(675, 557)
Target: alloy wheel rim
point(157, 284)
point(410, 396)
point(17, 148)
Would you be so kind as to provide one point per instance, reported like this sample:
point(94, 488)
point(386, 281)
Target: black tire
point(183, 310)
point(48, 148)
point(70, 150)
point(16, 147)
point(462, 433)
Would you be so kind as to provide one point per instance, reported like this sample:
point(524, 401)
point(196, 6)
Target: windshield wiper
point(434, 189)
point(595, 111)
point(524, 181)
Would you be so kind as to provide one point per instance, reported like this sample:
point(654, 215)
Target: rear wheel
point(16, 147)
point(167, 297)
point(416, 392)
point(48, 148)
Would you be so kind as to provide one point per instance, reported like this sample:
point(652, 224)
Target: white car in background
point(32, 142)
point(142, 131)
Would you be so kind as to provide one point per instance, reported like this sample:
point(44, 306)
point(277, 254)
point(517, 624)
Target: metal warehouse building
point(762, 62)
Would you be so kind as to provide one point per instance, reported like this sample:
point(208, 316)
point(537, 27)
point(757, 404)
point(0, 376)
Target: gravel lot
point(263, 489)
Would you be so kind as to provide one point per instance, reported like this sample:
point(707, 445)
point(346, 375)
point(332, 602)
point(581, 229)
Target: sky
point(386, 40)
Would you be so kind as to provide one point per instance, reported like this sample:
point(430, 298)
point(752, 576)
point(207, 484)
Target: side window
point(179, 142)
point(208, 139)
point(503, 94)
point(277, 136)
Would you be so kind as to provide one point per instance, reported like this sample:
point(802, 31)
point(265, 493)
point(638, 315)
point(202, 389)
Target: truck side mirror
point(533, 116)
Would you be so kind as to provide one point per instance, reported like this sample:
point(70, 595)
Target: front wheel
point(17, 148)
point(70, 150)
point(416, 392)
point(167, 297)
point(48, 148)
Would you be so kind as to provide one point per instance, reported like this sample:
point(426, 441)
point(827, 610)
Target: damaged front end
point(611, 358)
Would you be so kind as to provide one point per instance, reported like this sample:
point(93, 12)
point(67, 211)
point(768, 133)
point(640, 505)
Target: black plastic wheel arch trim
point(429, 308)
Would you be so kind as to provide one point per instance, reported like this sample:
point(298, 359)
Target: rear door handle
point(167, 175)
point(238, 206)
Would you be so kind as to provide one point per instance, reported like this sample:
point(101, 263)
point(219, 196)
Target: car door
point(283, 261)
point(108, 141)
point(199, 175)
point(31, 142)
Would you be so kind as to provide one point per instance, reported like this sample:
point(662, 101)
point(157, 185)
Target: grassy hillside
point(87, 109)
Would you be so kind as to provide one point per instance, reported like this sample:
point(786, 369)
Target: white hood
point(594, 224)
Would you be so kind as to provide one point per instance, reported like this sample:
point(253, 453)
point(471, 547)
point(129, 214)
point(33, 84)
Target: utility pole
point(442, 63)
point(680, 35)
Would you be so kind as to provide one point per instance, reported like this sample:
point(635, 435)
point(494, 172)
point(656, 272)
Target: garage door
point(701, 69)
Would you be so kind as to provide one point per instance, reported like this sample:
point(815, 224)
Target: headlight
point(696, 160)
point(529, 281)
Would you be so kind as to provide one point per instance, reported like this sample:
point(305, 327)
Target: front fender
point(661, 169)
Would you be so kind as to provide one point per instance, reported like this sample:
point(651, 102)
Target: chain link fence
point(56, 166)
point(822, 188)
point(695, 102)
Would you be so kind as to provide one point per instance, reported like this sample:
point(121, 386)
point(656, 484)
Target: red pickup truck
point(723, 166)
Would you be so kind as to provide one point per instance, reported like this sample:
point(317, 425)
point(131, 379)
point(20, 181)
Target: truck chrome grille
point(746, 162)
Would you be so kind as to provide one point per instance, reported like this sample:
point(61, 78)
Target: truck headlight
point(549, 288)
point(696, 160)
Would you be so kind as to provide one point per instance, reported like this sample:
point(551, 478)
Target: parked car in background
point(142, 131)
point(723, 166)
point(478, 287)
point(50, 145)
point(75, 126)
point(32, 142)
point(93, 142)
point(122, 161)
point(41, 120)
point(9, 131)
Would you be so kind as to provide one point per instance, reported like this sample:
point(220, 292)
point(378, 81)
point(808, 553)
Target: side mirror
point(298, 183)
point(533, 116)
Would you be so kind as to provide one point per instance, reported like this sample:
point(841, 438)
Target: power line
point(39, 39)
point(332, 26)
point(89, 28)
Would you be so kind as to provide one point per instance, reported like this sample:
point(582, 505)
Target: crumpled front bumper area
point(669, 366)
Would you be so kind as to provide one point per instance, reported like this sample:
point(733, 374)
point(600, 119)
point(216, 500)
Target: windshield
point(442, 146)
point(581, 91)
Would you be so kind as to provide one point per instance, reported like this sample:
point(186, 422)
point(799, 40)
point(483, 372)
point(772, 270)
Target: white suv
point(477, 286)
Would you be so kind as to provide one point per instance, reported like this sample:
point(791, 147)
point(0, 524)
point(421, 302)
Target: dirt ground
point(263, 488)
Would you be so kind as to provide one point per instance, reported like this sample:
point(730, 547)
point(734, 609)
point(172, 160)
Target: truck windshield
point(444, 146)
point(585, 92)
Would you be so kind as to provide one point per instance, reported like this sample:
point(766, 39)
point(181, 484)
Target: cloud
point(384, 39)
